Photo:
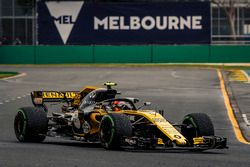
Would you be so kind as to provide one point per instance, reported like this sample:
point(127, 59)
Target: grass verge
point(5, 74)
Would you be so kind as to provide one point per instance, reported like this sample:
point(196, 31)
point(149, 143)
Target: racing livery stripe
point(230, 112)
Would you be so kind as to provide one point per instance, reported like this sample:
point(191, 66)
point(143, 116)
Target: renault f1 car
point(98, 115)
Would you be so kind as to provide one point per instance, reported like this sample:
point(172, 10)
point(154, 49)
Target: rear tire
point(31, 124)
point(113, 127)
point(197, 125)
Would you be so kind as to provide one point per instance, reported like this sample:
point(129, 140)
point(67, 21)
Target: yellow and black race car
point(97, 115)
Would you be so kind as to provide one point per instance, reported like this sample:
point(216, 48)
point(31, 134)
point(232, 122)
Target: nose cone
point(181, 142)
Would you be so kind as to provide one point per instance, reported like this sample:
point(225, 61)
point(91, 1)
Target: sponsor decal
point(148, 23)
point(159, 119)
point(64, 15)
point(58, 95)
point(177, 136)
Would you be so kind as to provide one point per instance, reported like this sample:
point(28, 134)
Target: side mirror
point(145, 104)
point(161, 112)
point(134, 100)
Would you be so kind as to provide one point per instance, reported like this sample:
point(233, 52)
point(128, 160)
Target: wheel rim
point(190, 131)
point(20, 125)
point(106, 132)
point(191, 124)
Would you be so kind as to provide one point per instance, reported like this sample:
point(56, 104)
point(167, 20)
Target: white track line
point(246, 75)
point(16, 76)
point(12, 99)
point(173, 73)
point(244, 116)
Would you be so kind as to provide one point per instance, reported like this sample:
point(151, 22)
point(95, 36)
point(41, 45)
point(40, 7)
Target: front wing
point(200, 143)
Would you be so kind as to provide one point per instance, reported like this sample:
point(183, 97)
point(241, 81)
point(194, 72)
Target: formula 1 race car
point(97, 115)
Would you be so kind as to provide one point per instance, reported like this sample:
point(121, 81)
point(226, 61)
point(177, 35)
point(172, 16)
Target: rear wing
point(40, 97)
point(72, 97)
point(53, 96)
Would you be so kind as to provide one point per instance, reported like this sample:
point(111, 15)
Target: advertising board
point(86, 23)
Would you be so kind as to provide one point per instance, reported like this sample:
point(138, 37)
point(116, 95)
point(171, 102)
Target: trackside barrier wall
point(17, 54)
point(125, 54)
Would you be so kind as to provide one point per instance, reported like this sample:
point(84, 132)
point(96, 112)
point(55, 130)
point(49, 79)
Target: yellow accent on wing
point(198, 140)
point(160, 141)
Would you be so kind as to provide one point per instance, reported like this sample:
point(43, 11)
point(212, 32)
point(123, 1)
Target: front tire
point(31, 124)
point(197, 125)
point(113, 127)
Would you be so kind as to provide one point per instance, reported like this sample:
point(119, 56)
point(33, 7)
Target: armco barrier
point(125, 54)
point(230, 54)
point(63, 54)
point(122, 54)
point(181, 54)
point(17, 55)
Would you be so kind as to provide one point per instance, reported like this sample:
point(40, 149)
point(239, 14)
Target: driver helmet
point(119, 105)
point(116, 106)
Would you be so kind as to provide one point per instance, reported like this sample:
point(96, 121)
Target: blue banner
point(84, 23)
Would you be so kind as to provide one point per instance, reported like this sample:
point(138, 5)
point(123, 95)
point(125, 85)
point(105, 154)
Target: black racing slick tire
point(113, 128)
point(31, 124)
point(197, 125)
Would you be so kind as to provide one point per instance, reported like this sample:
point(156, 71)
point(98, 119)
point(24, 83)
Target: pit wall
point(124, 54)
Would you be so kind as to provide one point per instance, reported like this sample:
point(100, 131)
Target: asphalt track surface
point(178, 91)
